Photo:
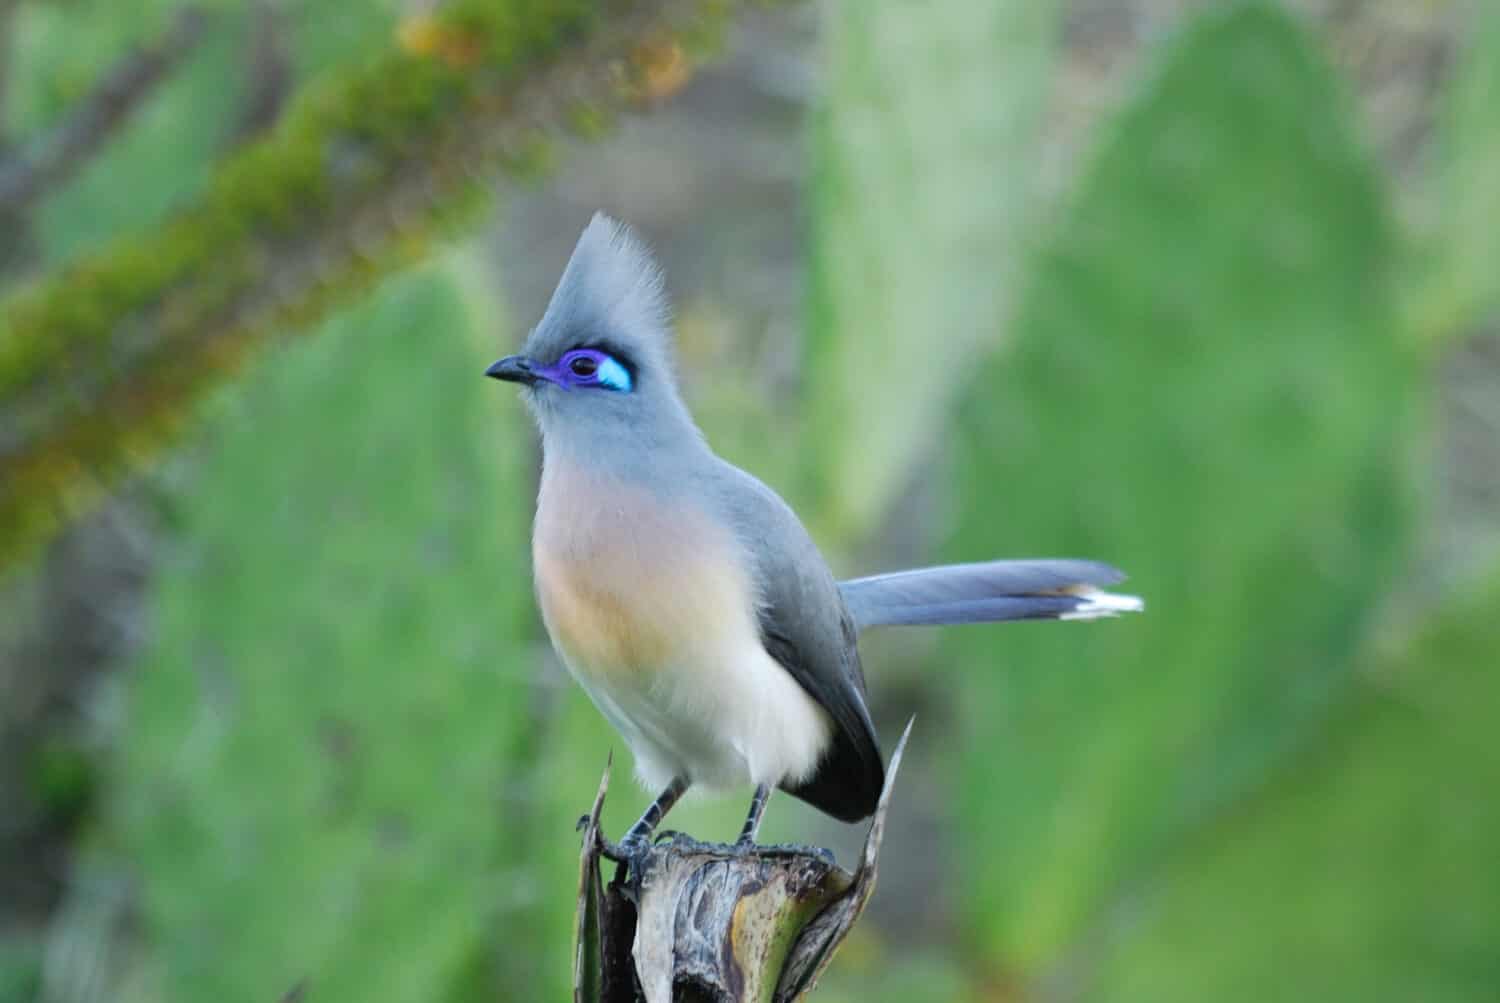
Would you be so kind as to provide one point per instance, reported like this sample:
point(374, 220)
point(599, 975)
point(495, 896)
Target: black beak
point(514, 368)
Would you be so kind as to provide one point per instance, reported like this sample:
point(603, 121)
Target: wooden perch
point(691, 921)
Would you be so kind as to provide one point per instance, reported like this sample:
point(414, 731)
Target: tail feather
point(988, 592)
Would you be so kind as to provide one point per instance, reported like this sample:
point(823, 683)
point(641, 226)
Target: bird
point(686, 597)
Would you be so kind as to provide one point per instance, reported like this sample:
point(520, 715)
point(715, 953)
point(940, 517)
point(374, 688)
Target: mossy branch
point(101, 362)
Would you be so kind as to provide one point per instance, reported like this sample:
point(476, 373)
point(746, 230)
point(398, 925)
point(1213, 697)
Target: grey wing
point(805, 626)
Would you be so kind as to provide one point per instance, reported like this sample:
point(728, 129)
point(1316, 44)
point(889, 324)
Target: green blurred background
point(1208, 290)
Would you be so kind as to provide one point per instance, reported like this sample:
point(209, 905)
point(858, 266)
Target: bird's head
point(598, 365)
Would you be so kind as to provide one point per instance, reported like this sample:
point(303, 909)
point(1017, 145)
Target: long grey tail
point(988, 592)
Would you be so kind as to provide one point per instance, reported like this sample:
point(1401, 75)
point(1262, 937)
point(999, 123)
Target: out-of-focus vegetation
point(1463, 282)
point(920, 219)
point(1201, 337)
point(1231, 247)
point(100, 362)
point(392, 815)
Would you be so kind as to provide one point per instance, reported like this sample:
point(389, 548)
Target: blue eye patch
point(615, 376)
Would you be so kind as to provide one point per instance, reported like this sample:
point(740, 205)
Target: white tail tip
point(1097, 605)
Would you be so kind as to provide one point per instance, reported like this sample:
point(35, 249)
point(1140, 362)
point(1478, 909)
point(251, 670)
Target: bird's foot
point(629, 850)
point(741, 848)
point(635, 846)
point(790, 850)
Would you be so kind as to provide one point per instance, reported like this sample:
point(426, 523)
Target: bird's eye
point(591, 367)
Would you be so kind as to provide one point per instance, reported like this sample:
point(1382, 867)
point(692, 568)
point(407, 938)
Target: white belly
point(722, 722)
point(653, 612)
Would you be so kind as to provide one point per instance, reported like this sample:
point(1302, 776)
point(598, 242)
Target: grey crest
point(611, 291)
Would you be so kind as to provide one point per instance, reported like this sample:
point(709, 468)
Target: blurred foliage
point(925, 161)
point(1365, 873)
point(60, 49)
point(860, 977)
point(355, 179)
point(1220, 287)
point(322, 733)
point(169, 155)
point(20, 970)
point(1464, 280)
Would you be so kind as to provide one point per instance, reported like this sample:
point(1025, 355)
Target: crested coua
point(686, 597)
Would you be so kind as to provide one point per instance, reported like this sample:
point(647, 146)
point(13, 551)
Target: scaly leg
point(752, 820)
point(639, 835)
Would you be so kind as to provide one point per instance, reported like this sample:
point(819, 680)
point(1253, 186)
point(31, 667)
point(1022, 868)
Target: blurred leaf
point(336, 35)
point(128, 88)
point(321, 734)
point(872, 978)
point(1368, 872)
point(59, 49)
point(924, 162)
point(1207, 387)
point(166, 155)
point(1462, 281)
point(20, 969)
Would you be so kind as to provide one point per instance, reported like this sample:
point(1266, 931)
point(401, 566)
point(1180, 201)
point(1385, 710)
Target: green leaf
point(1366, 873)
point(924, 164)
point(1207, 388)
point(319, 737)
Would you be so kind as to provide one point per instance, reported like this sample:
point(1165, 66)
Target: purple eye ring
point(593, 367)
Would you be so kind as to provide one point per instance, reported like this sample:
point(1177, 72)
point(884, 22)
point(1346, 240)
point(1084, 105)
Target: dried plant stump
point(691, 921)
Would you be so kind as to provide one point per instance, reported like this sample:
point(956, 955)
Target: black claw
point(632, 849)
point(627, 851)
point(583, 822)
point(796, 850)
